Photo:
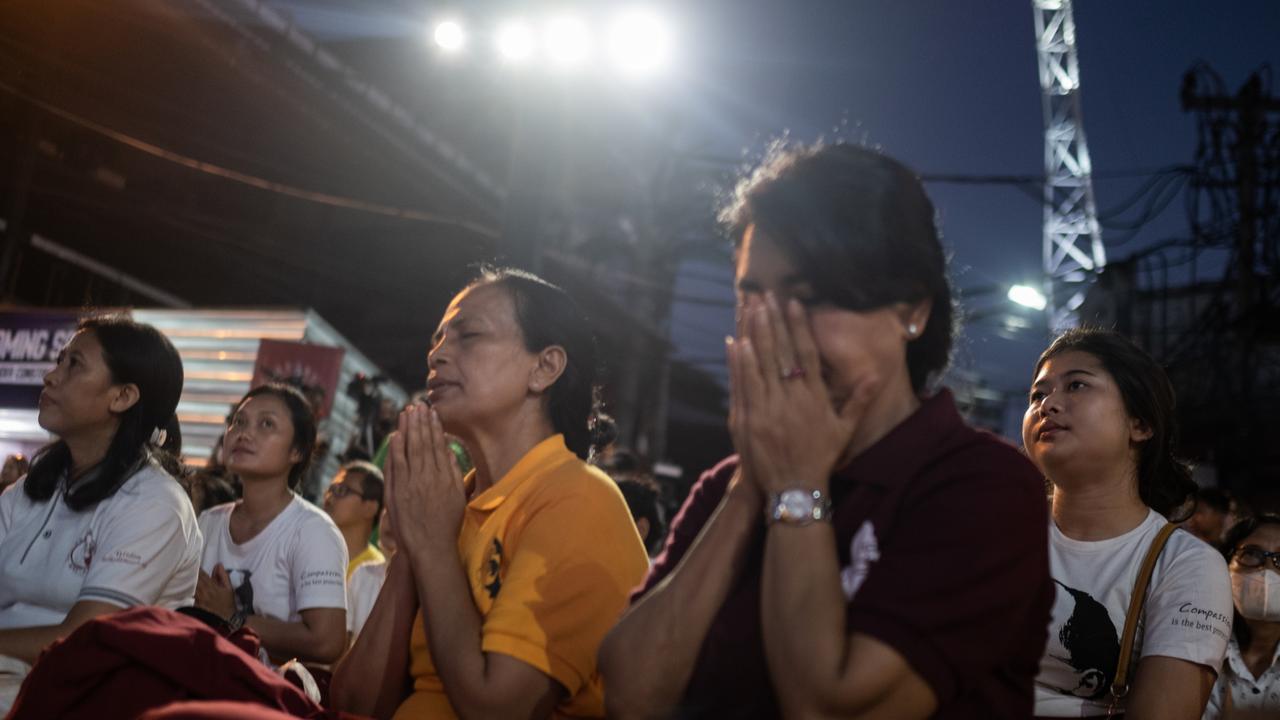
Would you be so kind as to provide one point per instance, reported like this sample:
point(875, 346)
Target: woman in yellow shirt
point(508, 579)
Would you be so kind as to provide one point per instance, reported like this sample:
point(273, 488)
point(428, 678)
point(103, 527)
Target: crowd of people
point(864, 553)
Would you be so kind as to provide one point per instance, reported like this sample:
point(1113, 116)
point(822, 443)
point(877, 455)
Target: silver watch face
point(795, 505)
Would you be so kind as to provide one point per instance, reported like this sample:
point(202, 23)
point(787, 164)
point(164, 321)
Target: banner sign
point(313, 369)
point(29, 347)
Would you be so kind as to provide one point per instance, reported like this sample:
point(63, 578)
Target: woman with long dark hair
point(273, 561)
point(97, 525)
point(866, 553)
point(1101, 425)
point(504, 581)
point(1248, 687)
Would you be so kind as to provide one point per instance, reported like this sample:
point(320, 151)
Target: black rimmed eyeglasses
point(1251, 556)
point(341, 490)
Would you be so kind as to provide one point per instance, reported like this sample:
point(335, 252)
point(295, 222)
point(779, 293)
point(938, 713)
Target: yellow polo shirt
point(368, 553)
point(551, 554)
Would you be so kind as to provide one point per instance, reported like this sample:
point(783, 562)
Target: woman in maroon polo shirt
point(866, 553)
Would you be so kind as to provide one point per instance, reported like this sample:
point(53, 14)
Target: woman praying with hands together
point(505, 580)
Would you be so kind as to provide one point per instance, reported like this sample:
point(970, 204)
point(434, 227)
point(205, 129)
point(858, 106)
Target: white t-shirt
point(1187, 615)
point(297, 562)
point(141, 546)
point(362, 592)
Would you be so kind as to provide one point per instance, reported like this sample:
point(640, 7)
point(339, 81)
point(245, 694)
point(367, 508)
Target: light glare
point(1028, 296)
point(568, 41)
point(449, 36)
point(639, 42)
point(515, 42)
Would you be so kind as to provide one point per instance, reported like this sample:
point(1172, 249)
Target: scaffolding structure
point(1073, 250)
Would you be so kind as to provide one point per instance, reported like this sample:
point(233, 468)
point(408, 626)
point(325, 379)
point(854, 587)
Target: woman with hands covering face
point(506, 579)
point(866, 553)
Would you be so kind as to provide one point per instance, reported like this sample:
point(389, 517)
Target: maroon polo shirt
point(943, 548)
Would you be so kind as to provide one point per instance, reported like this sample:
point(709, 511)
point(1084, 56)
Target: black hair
point(1230, 543)
point(1215, 499)
point(372, 484)
point(860, 229)
point(136, 354)
point(209, 488)
point(1164, 480)
point(548, 316)
point(643, 498)
point(304, 424)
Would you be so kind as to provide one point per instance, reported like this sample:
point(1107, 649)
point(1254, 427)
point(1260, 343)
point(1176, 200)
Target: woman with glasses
point(1100, 424)
point(866, 553)
point(273, 561)
point(1249, 686)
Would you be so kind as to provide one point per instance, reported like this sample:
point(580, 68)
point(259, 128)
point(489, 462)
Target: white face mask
point(1257, 594)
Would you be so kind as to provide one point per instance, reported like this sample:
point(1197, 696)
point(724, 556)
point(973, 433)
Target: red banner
point(314, 369)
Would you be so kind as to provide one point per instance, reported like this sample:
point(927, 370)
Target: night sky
point(947, 87)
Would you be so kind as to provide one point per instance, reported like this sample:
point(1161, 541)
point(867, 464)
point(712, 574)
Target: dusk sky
point(947, 87)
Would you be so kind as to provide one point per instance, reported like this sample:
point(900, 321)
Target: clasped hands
point(784, 426)
point(425, 493)
point(215, 593)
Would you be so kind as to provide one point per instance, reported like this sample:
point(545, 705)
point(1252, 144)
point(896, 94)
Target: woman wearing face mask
point(1248, 687)
point(505, 581)
point(273, 561)
point(1100, 424)
point(867, 553)
point(97, 525)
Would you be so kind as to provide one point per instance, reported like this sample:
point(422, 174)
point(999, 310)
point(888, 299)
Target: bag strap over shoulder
point(1120, 687)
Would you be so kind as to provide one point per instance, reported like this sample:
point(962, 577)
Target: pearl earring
point(912, 330)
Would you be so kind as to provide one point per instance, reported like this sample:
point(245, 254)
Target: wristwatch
point(236, 621)
point(797, 507)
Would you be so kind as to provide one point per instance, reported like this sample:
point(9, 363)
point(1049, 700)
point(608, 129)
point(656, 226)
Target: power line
point(254, 181)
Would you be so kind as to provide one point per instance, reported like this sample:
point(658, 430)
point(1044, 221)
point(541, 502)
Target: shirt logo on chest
point(492, 568)
point(81, 555)
point(864, 549)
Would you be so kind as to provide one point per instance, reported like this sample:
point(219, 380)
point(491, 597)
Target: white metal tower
point(1073, 251)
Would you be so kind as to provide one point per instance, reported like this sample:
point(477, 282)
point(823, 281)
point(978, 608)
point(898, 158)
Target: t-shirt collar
point(70, 486)
point(904, 451)
point(544, 455)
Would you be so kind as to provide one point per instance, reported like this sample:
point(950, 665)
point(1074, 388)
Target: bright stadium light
point(1027, 296)
point(568, 41)
point(515, 41)
point(639, 42)
point(449, 36)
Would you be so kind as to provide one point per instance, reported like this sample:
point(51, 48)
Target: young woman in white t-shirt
point(97, 525)
point(273, 561)
point(1100, 424)
point(1249, 685)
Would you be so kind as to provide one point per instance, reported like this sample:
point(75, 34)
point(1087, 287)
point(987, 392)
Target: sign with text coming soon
point(29, 347)
point(313, 369)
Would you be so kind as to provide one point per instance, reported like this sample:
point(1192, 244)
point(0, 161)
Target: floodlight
point(449, 36)
point(639, 41)
point(515, 41)
point(568, 41)
point(1028, 296)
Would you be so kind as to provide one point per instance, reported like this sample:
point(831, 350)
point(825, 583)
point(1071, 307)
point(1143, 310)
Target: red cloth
point(214, 710)
point(124, 664)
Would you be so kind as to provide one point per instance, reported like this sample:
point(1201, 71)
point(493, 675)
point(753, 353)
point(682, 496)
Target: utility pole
point(1236, 155)
point(1243, 124)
